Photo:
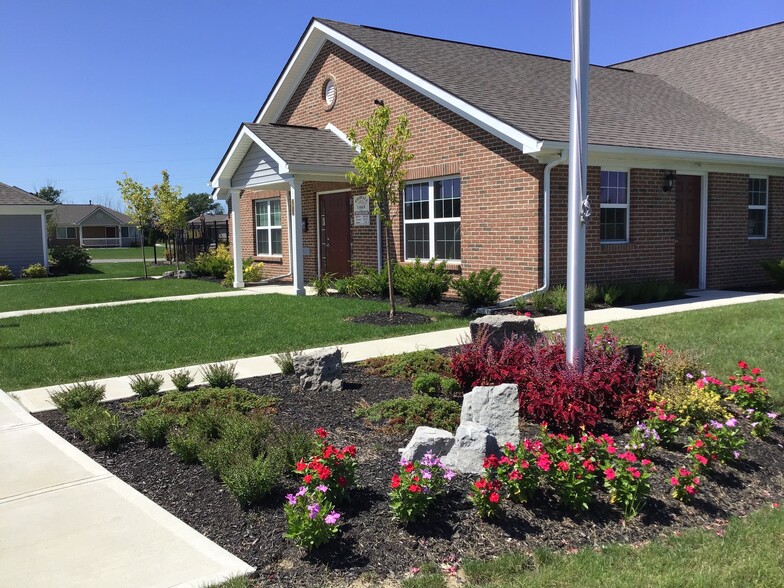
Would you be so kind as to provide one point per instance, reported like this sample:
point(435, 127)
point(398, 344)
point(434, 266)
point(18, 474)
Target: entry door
point(687, 230)
point(335, 234)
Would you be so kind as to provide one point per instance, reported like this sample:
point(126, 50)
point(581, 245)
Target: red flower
point(414, 488)
point(690, 489)
point(674, 481)
point(301, 465)
point(609, 473)
point(307, 479)
point(633, 471)
point(743, 365)
point(342, 481)
point(494, 497)
point(611, 449)
point(321, 432)
point(703, 460)
point(543, 462)
point(490, 462)
point(409, 468)
point(395, 481)
point(563, 466)
point(324, 473)
point(756, 371)
point(480, 484)
point(646, 462)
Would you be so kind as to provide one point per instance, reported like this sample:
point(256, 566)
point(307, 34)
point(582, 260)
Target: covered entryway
point(688, 196)
point(281, 157)
point(334, 233)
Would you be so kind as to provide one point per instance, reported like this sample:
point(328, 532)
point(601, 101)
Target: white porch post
point(295, 222)
point(45, 234)
point(236, 241)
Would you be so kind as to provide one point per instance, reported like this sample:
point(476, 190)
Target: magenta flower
point(331, 518)
point(448, 475)
point(291, 498)
point(313, 510)
point(301, 491)
point(321, 488)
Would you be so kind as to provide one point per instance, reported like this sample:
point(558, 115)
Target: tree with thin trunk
point(172, 210)
point(379, 170)
point(139, 205)
point(50, 193)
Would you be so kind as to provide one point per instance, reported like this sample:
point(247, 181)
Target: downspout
point(288, 216)
point(546, 240)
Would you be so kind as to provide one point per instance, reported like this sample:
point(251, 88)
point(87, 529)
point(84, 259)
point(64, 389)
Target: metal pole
point(578, 171)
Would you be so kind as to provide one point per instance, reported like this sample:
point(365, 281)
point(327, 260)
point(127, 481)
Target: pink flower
point(674, 481)
point(332, 518)
point(609, 473)
point(313, 510)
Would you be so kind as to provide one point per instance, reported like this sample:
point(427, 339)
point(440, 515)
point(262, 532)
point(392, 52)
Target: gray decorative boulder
point(320, 370)
point(473, 442)
point(495, 407)
point(503, 326)
point(437, 441)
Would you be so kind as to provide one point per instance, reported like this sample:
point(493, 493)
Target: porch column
point(236, 242)
point(295, 223)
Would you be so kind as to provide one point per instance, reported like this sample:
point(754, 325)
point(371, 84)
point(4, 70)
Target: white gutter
point(545, 245)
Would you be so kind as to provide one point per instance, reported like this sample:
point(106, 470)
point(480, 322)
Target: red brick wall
point(733, 258)
point(273, 265)
point(500, 185)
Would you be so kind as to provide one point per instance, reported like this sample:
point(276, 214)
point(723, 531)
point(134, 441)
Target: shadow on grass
point(42, 344)
point(9, 325)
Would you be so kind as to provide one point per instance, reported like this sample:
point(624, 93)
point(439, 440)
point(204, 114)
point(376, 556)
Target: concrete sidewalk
point(38, 399)
point(68, 522)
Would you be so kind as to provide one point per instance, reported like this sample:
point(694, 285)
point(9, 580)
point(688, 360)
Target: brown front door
point(335, 234)
point(687, 230)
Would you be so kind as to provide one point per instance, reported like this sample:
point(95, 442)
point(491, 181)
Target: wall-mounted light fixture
point(669, 182)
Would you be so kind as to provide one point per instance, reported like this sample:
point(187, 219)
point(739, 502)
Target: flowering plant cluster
point(487, 491)
point(664, 423)
point(312, 520)
point(332, 467)
point(723, 440)
point(626, 478)
point(573, 475)
point(685, 483)
point(642, 439)
point(761, 421)
point(746, 388)
point(521, 467)
point(416, 487)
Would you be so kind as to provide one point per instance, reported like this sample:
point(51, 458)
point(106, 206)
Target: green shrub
point(775, 269)
point(208, 423)
point(6, 273)
point(482, 288)
point(71, 259)
point(557, 298)
point(186, 443)
point(692, 404)
point(285, 361)
point(153, 426)
point(293, 443)
point(363, 281)
point(593, 294)
point(78, 395)
point(404, 415)
point(214, 263)
point(250, 480)
point(323, 283)
point(407, 366)
point(450, 388)
point(35, 270)
point(252, 271)
point(220, 375)
point(146, 385)
point(188, 403)
point(432, 384)
point(99, 427)
point(181, 379)
point(611, 293)
point(422, 283)
point(540, 301)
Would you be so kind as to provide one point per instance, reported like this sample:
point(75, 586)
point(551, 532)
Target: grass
point(749, 554)
point(42, 350)
point(722, 336)
point(45, 294)
point(125, 253)
point(131, 269)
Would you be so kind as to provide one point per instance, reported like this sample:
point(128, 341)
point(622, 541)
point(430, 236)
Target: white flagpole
point(578, 171)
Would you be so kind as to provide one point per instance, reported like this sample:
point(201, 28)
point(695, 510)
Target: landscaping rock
point(181, 274)
point(504, 326)
point(320, 370)
point(473, 443)
point(495, 407)
point(427, 439)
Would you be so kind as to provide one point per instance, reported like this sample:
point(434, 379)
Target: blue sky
point(90, 89)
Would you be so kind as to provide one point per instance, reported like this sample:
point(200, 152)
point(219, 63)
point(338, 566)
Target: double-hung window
point(758, 208)
point(66, 232)
point(268, 228)
point(614, 207)
point(431, 219)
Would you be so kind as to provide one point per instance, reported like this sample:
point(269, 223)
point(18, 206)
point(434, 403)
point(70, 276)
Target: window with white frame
point(614, 207)
point(758, 208)
point(66, 232)
point(431, 219)
point(268, 228)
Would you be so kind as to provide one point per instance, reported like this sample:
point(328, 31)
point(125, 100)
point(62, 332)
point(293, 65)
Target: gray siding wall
point(21, 241)
point(255, 168)
point(99, 219)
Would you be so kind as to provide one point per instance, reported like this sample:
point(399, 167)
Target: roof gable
point(11, 195)
point(76, 214)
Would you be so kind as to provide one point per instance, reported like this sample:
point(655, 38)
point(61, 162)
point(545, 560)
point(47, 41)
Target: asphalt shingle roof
point(71, 214)
point(739, 74)
point(305, 145)
point(531, 93)
point(11, 195)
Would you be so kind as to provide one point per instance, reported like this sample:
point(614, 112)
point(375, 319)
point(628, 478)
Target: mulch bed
point(373, 546)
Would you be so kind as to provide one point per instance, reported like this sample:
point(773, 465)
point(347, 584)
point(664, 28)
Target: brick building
point(685, 182)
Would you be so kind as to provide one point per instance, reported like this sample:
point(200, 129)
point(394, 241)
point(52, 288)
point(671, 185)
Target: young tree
point(171, 209)
point(50, 193)
point(201, 203)
point(139, 206)
point(379, 170)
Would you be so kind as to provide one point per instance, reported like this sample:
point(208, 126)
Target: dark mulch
point(372, 544)
point(399, 318)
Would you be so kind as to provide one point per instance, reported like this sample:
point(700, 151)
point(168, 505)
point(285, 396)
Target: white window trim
point(268, 228)
point(66, 229)
point(628, 173)
point(431, 220)
point(759, 207)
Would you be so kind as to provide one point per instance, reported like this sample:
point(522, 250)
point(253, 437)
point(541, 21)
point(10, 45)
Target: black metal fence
point(199, 237)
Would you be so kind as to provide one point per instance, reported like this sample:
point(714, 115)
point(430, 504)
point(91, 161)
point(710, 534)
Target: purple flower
point(772, 415)
point(291, 498)
point(331, 518)
point(321, 488)
point(403, 461)
point(690, 377)
point(313, 510)
point(716, 425)
point(426, 475)
point(703, 372)
point(736, 453)
point(733, 422)
point(301, 491)
point(448, 475)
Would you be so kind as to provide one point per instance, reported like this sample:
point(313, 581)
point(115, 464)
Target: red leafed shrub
point(550, 389)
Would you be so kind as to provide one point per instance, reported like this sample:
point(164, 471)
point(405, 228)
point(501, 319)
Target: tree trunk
point(144, 255)
point(389, 272)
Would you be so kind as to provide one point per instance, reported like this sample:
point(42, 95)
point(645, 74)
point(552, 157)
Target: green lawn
point(749, 554)
point(130, 269)
point(124, 252)
point(50, 293)
point(65, 347)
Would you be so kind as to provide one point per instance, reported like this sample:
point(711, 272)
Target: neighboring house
point(22, 228)
point(685, 177)
point(93, 225)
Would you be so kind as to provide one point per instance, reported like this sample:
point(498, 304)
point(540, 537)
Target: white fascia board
point(312, 43)
point(283, 167)
point(340, 134)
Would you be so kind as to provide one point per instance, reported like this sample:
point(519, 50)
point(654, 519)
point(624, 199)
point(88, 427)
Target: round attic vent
point(329, 92)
